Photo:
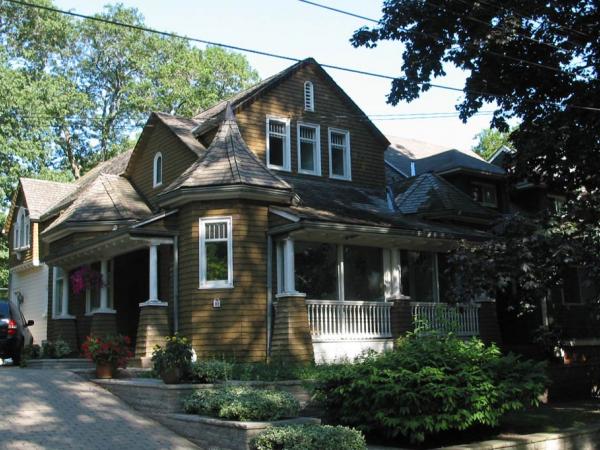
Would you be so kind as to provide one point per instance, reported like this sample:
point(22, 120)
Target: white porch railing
point(462, 319)
point(333, 320)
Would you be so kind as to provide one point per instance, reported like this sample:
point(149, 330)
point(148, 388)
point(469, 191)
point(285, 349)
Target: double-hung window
point(21, 233)
point(278, 143)
point(216, 253)
point(339, 154)
point(309, 149)
point(60, 293)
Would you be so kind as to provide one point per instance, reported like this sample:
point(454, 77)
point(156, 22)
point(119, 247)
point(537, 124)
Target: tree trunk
point(75, 168)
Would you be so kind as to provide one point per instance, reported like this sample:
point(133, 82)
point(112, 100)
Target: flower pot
point(104, 370)
point(171, 375)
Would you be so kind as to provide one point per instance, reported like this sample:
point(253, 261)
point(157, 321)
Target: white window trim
point(347, 155)
point(109, 285)
point(21, 231)
point(316, 151)
point(156, 183)
point(215, 284)
point(309, 100)
point(57, 273)
point(287, 151)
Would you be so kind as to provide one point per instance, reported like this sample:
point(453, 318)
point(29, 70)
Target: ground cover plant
point(242, 403)
point(309, 437)
point(427, 385)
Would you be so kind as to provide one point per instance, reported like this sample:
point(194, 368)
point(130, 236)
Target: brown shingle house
point(260, 228)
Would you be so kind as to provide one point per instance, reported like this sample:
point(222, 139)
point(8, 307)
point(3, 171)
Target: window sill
point(340, 178)
point(154, 186)
point(101, 311)
point(280, 168)
point(215, 287)
point(306, 172)
point(63, 317)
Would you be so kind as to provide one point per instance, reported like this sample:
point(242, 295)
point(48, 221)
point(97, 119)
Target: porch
point(356, 296)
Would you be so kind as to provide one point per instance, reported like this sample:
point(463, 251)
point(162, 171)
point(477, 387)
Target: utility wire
point(274, 55)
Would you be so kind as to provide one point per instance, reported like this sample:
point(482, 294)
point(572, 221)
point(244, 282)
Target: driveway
point(53, 409)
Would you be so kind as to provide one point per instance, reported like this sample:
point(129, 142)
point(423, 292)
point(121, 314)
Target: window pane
point(363, 273)
point(316, 270)
point(95, 296)
point(276, 146)
point(159, 170)
point(307, 156)
point(337, 161)
point(418, 275)
point(216, 261)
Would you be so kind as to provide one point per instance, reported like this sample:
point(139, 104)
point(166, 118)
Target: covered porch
point(363, 287)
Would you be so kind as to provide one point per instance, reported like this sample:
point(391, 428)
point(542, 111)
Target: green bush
point(242, 403)
point(272, 371)
point(310, 437)
point(176, 354)
point(429, 384)
point(55, 349)
point(211, 371)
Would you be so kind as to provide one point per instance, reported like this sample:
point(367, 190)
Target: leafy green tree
point(537, 60)
point(3, 254)
point(489, 141)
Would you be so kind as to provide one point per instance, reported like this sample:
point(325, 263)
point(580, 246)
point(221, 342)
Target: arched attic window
point(157, 176)
point(309, 96)
point(21, 230)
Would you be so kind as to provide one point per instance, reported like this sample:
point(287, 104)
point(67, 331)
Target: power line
point(274, 55)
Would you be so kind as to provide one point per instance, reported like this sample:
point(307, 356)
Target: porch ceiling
point(108, 247)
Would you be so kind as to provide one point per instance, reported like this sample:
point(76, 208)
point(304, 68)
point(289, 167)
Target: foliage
point(114, 350)
point(429, 384)
point(536, 60)
point(33, 351)
point(242, 403)
point(85, 277)
point(273, 371)
point(75, 90)
point(210, 371)
point(489, 141)
point(55, 349)
point(176, 354)
point(4, 271)
point(309, 437)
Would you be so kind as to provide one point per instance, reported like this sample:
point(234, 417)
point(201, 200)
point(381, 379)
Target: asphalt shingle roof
point(42, 194)
point(228, 161)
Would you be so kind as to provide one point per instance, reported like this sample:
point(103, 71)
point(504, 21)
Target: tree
point(489, 141)
point(537, 60)
point(3, 254)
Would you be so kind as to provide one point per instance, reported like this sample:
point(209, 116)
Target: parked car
point(14, 332)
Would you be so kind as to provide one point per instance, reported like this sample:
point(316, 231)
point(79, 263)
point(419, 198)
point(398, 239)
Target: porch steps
point(60, 364)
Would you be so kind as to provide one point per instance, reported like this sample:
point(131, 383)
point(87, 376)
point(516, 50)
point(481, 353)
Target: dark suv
point(14, 333)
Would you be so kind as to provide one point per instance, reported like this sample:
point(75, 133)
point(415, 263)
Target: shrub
point(112, 350)
point(242, 403)
point(310, 437)
point(176, 354)
point(272, 371)
point(55, 350)
point(429, 384)
point(210, 371)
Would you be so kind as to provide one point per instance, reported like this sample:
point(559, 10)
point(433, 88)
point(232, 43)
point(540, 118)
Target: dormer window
point(21, 234)
point(485, 194)
point(309, 97)
point(278, 143)
point(158, 170)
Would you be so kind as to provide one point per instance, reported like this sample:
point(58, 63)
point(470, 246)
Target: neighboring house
point(262, 227)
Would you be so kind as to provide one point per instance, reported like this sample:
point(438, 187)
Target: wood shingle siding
point(176, 159)
point(331, 110)
point(238, 328)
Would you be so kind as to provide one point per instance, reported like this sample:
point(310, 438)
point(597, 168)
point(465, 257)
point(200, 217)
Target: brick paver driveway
point(51, 409)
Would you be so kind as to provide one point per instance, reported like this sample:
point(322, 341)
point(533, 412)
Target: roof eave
point(226, 192)
point(65, 229)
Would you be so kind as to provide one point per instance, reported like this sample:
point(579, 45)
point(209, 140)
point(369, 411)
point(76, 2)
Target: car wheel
point(16, 357)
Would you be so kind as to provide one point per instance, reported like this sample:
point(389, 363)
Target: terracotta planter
point(171, 375)
point(104, 370)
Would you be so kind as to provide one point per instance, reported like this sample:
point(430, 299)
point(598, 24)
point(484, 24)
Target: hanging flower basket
point(85, 277)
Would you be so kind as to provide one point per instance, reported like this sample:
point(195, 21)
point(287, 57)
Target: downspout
point(176, 284)
point(269, 292)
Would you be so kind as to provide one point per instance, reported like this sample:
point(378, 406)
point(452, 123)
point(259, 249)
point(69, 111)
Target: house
point(261, 228)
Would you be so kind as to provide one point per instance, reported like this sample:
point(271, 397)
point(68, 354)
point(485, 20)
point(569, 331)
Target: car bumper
point(7, 347)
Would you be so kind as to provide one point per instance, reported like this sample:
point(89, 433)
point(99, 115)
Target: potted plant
point(173, 360)
point(108, 353)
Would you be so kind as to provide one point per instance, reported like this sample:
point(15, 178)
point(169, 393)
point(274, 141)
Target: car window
point(4, 313)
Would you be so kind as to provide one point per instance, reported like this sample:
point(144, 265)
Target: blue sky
point(296, 29)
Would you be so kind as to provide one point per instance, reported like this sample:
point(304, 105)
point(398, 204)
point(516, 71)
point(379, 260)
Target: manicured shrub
point(242, 403)
point(55, 349)
point(176, 354)
point(211, 371)
point(310, 437)
point(429, 384)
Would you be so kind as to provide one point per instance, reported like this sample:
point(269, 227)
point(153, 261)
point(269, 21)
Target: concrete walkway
point(52, 409)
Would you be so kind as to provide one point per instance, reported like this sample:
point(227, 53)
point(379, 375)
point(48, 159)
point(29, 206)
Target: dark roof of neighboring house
point(228, 161)
point(429, 193)
point(108, 197)
point(348, 204)
point(210, 117)
point(42, 194)
point(432, 158)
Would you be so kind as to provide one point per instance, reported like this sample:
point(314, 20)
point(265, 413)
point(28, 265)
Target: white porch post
point(65, 293)
point(153, 278)
point(290, 271)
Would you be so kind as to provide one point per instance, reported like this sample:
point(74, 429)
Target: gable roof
point(228, 161)
point(42, 194)
point(107, 198)
point(430, 157)
point(430, 194)
point(209, 118)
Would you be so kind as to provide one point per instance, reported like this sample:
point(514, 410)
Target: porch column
point(104, 321)
point(289, 277)
point(153, 326)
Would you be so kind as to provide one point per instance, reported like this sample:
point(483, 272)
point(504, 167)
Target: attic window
point(158, 170)
point(21, 233)
point(485, 194)
point(278, 143)
point(309, 97)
